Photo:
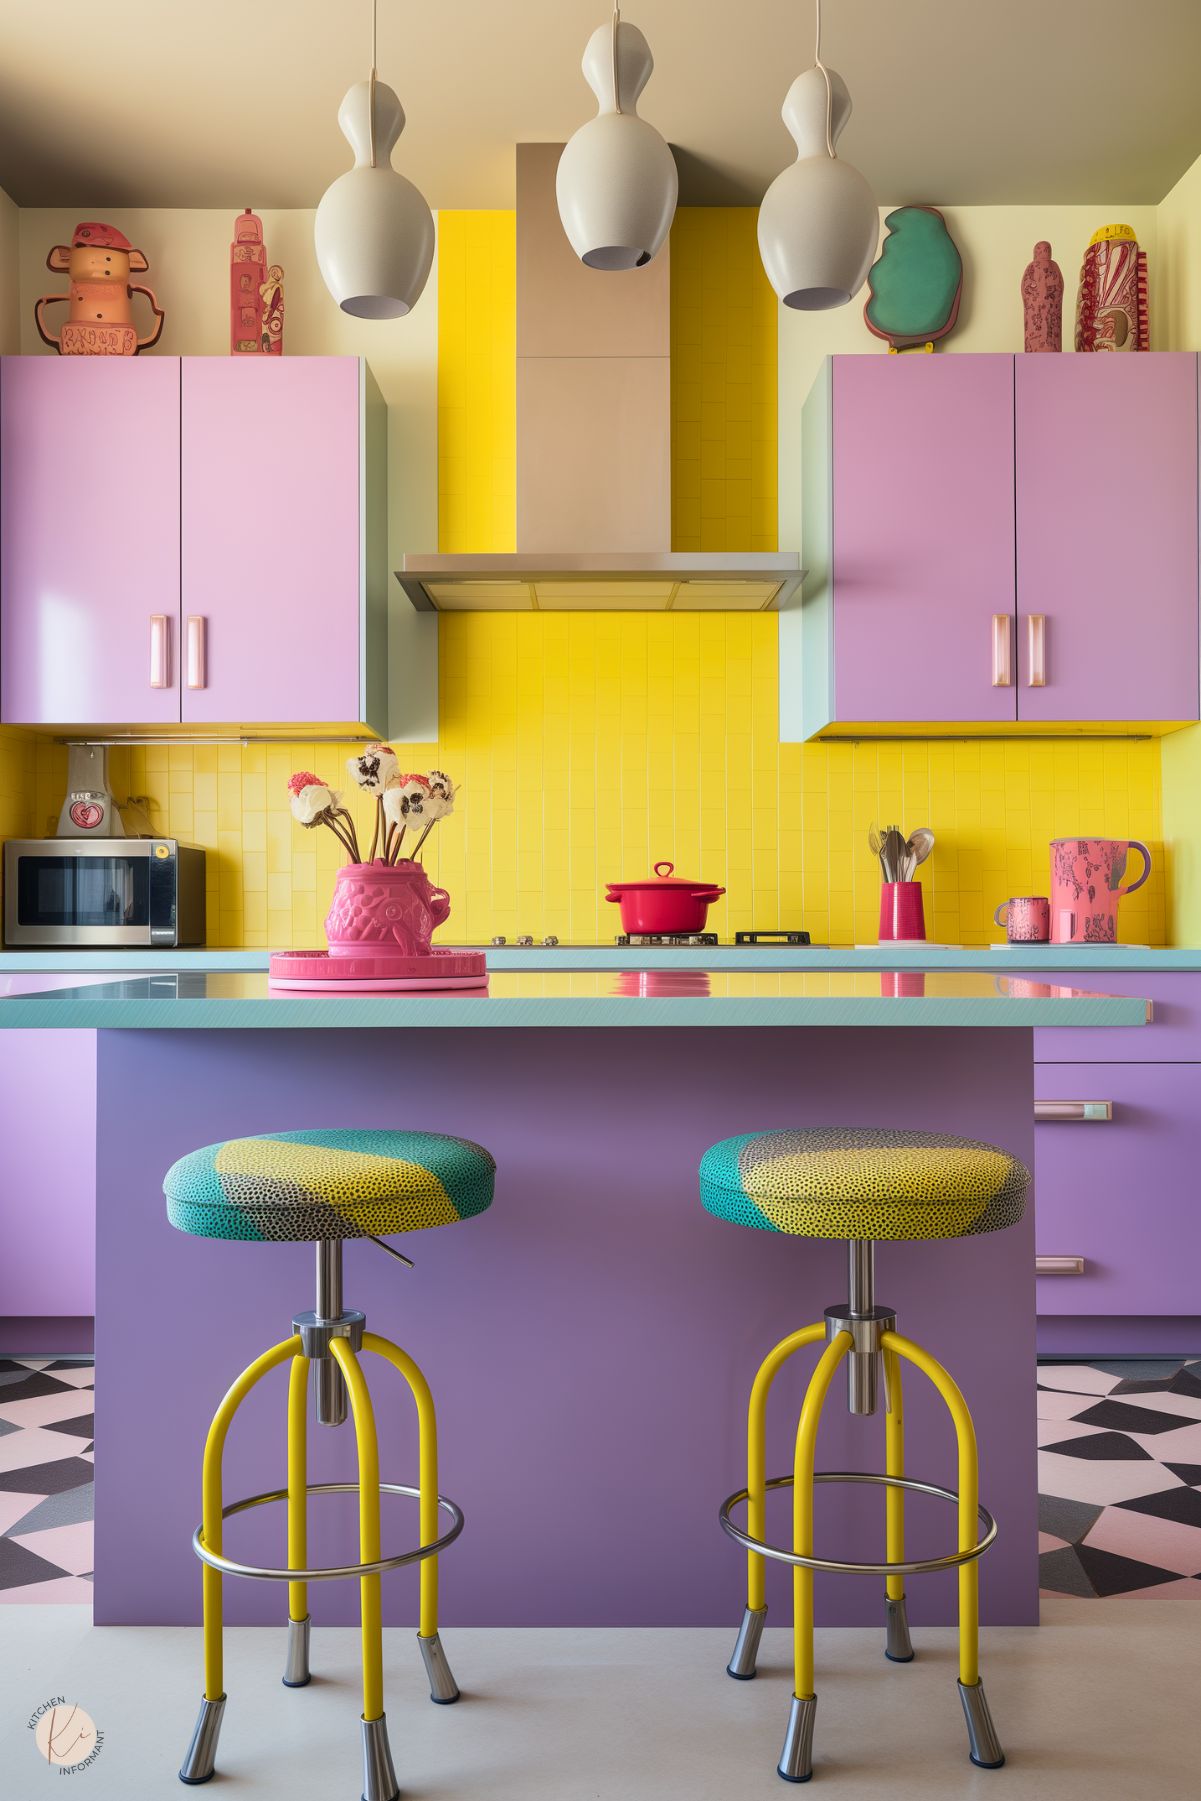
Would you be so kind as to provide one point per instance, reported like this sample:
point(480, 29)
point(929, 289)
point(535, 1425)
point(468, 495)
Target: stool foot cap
point(443, 1687)
point(984, 1747)
point(898, 1646)
point(796, 1759)
point(296, 1667)
point(746, 1646)
point(198, 1765)
point(379, 1777)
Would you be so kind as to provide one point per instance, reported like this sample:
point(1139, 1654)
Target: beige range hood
point(593, 449)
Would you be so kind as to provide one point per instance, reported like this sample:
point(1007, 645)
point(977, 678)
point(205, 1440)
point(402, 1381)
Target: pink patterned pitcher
point(1086, 876)
point(389, 910)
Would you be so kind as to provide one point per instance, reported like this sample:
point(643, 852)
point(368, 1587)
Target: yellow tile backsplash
point(590, 746)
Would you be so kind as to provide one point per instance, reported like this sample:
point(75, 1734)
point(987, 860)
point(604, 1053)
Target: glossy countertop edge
point(989, 959)
point(520, 999)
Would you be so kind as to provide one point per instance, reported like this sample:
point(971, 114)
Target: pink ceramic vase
point(390, 910)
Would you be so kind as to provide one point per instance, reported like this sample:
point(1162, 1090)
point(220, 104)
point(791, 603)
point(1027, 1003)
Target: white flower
point(311, 804)
point(440, 802)
point(407, 803)
point(374, 768)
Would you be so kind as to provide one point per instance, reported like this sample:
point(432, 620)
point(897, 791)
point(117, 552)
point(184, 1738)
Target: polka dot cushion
point(310, 1185)
point(837, 1182)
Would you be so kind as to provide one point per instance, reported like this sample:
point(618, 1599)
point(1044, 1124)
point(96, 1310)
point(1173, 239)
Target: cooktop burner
point(705, 940)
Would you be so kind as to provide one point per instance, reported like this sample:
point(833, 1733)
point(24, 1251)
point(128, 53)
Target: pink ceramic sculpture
point(1042, 300)
point(388, 909)
point(1086, 886)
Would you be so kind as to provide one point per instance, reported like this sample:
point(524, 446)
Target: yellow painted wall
point(477, 381)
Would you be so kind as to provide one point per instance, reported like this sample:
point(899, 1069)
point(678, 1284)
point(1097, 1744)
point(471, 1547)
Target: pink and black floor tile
point(1120, 1478)
point(46, 1479)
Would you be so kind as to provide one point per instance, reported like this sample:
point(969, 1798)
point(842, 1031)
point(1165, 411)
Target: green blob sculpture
point(916, 282)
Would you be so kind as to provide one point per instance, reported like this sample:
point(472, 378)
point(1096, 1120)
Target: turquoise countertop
point(558, 997)
point(1059, 957)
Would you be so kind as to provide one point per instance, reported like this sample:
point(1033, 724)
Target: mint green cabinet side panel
point(807, 626)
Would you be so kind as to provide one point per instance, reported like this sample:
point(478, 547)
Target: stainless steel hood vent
point(593, 449)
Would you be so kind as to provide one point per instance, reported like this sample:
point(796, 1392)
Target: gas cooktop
point(666, 941)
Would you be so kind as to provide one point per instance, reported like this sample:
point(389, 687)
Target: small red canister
point(901, 912)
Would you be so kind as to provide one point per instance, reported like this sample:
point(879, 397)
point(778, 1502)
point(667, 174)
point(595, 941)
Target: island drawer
point(1174, 1035)
point(1120, 1192)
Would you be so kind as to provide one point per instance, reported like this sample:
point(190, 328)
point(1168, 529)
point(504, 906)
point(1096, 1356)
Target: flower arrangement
point(403, 803)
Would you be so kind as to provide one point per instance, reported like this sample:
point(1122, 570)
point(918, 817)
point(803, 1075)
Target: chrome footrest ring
point(917, 1567)
point(331, 1573)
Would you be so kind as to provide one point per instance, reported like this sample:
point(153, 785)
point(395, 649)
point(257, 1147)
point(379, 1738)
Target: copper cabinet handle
point(1036, 650)
point(1002, 650)
point(159, 674)
point(197, 650)
point(1073, 1112)
point(1059, 1266)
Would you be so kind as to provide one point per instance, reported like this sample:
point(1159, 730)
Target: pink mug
point(1026, 918)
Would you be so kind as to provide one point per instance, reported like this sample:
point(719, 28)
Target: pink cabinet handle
point(159, 674)
point(1059, 1266)
point(197, 650)
point(1002, 650)
point(1073, 1112)
point(1036, 650)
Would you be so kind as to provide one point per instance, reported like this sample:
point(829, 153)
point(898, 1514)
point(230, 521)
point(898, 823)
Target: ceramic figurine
point(99, 260)
point(1042, 300)
point(256, 292)
point(1111, 309)
point(916, 282)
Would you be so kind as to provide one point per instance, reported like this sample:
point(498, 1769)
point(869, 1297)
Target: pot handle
point(1137, 844)
point(612, 897)
point(663, 870)
point(706, 894)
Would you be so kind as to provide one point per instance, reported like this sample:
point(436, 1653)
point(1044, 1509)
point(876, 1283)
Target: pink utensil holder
point(901, 913)
point(388, 910)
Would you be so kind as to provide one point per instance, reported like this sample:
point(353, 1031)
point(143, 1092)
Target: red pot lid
point(664, 878)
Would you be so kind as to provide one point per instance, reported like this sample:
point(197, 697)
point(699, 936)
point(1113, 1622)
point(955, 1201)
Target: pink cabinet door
point(270, 540)
point(1122, 1195)
point(923, 536)
point(1106, 450)
point(89, 540)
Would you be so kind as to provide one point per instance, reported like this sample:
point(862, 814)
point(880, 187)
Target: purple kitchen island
point(591, 1339)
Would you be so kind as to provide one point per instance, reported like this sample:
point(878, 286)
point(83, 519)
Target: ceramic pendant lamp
point(374, 232)
point(616, 182)
point(819, 223)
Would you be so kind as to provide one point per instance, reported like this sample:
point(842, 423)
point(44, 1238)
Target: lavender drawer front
point(1122, 1195)
point(1174, 1035)
point(923, 535)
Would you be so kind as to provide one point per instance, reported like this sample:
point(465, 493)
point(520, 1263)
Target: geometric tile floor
point(46, 1478)
point(1119, 1477)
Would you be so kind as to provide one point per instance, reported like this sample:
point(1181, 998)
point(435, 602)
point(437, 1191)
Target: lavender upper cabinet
point(908, 608)
point(283, 577)
point(1107, 537)
point(89, 540)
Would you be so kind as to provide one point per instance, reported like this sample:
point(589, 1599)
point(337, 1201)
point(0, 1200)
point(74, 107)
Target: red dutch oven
point(669, 904)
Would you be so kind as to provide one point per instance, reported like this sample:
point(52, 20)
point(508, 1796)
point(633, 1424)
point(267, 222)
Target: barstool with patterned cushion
point(323, 1187)
point(861, 1186)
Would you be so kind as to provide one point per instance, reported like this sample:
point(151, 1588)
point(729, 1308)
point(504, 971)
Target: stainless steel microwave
point(80, 891)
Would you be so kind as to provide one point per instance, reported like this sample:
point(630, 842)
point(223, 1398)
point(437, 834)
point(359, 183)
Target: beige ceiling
point(225, 103)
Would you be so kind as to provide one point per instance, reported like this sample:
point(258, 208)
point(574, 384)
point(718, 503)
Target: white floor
point(1097, 1703)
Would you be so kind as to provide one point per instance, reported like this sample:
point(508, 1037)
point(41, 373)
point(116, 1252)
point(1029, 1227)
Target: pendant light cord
point(616, 89)
point(819, 64)
point(374, 43)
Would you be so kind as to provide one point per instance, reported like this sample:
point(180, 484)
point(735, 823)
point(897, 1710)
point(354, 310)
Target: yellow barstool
point(324, 1187)
point(860, 1186)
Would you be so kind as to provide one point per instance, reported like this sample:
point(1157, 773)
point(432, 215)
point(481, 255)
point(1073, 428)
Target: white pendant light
point(374, 232)
point(616, 182)
point(819, 224)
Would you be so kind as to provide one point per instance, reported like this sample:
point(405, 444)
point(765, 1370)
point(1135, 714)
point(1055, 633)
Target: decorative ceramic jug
point(387, 909)
point(1111, 307)
point(1086, 876)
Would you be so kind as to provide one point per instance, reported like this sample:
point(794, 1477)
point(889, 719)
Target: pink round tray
point(317, 969)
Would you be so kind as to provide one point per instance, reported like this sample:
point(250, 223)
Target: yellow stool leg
point(898, 1646)
point(984, 1746)
point(379, 1777)
point(296, 1669)
point(746, 1646)
point(796, 1759)
point(197, 1765)
point(443, 1687)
